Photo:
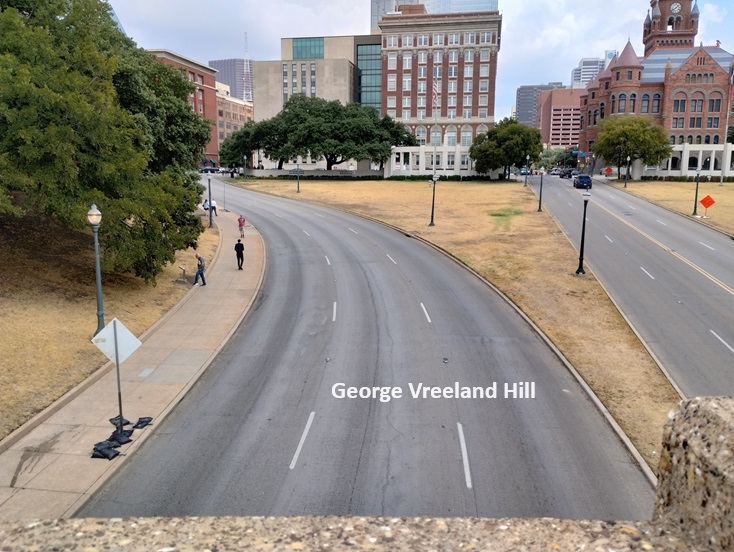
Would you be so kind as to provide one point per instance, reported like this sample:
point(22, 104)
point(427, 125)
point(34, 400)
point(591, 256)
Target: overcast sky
point(542, 40)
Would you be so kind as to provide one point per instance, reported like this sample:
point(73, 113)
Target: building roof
point(628, 57)
point(654, 64)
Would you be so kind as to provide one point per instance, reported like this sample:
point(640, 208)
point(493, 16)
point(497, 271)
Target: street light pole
point(527, 168)
point(433, 199)
point(298, 177)
point(540, 197)
point(94, 216)
point(210, 202)
point(627, 172)
point(695, 200)
point(580, 269)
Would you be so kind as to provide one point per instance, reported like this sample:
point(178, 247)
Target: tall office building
point(526, 102)
point(588, 68)
point(381, 8)
point(232, 73)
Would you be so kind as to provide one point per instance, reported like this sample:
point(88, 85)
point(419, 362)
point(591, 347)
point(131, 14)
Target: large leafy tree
point(507, 143)
point(629, 135)
point(85, 117)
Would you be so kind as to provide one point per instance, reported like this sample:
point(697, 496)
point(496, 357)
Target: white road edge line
point(309, 235)
point(464, 456)
point(333, 316)
point(711, 248)
point(646, 272)
point(303, 439)
point(352, 230)
point(660, 222)
point(607, 237)
point(328, 262)
point(389, 257)
point(724, 342)
point(426, 313)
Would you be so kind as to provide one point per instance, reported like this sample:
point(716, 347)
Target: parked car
point(582, 181)
point(524, 171)
point(566, 173)
point(555, 172)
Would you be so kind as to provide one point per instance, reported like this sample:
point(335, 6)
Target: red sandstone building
point(559, 117)
point(681, 87)
point(204, 99)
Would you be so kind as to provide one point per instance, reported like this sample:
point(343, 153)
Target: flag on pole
point(435, 93)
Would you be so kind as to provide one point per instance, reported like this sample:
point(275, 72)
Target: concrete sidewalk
point(46, 469)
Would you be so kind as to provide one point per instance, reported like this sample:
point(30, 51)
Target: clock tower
point(670, 24)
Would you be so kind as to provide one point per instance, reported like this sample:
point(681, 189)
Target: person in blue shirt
point(200, 267)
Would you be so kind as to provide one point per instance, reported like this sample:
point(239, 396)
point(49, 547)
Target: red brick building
point(204, 99)
point(559, 117)
point(681, 87)
point(448, 60)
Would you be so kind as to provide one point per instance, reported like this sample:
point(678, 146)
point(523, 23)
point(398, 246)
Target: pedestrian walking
point(241, 225)
point(200, 267)
point(213, 207)
point(206, 205)
point(239, 248)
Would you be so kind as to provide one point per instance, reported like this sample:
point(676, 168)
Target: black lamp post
point(627, 172)
point(580, 269)
point(540, 196)
point(695, 201)
point(433, 199)
point(211, 222)
point(94, 216)
point(298, 178)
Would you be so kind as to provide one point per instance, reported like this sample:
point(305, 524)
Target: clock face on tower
point(675, 8)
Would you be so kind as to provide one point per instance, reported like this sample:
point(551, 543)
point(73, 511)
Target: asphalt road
point(671, 276)
point(348, 301)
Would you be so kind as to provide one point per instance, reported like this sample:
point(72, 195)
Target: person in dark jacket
point(239, 248)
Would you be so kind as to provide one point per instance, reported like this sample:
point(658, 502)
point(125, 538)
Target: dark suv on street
point(582, 181)
point(566, 173)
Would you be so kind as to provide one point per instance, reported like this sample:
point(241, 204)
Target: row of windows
point(699, 78)
point(449, 136)
point(694, 122)
point(438, 57)
point(452, 87)
point(707, 139)
point(452, 73)
point(696, 105)
point(451, 113)
point(421, 101)
point(440, 39)
point(620, 105)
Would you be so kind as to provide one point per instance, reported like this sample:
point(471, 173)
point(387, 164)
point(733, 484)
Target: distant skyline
point(542, 40)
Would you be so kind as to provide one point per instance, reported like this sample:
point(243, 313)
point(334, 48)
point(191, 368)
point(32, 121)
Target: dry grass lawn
point(48, 300)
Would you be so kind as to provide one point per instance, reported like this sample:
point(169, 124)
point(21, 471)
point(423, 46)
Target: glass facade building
point(308, 48)
point(369, 75)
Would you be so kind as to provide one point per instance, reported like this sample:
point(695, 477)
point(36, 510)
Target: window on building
point(452, 101)
point(406, 83)
point(468, 71)
point(453, 38)
point(484, 70)
point(681, 139)
point(421, 114)
point(407, 40)
point(470, 38)
point(484, 55)
point(391, 83)
point(468, 86)
point(422, 57)
point(712, 122)
point(453, 71)
point(694, 122)
point(437, 72)
point(453, 56)
point(696, 106)
point(191, 75)
point(698, 139)
point(407, 62)
point(645, 105)
point(656, 103)
point(406, 114)
point(453, 87)
point(614, 106)
point(467, 114)
point(437, 57)
point(392, 41)
point(484, 86)
point(466, 137)
point(450, 137)
point(633, 103)
point(420, 101)
point(707, 139)
point(467, 100)
point(689, 139)
point(391, 101)
point(420, 135)
point(616, 76)
point(716, 138)
point(482, 114)
point(450, 160)
point(391, 113)
point(468, 56)
point(672, 139)
point(629, 75)
point(422, 86)
point(392, 61)
point(451, 114)
point(423, 40)
point(715, 106)
point(406, 101)
point(200, 94)
point(422, 72)
point(622, 106)
point(485, 37)
point(483, 99)
point(602, 107)
point(438, 40)
point(435, 137)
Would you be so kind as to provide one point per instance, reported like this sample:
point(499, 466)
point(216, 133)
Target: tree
point(87, 118)
point(507, 143)
point(237, 149)
point(633, 136)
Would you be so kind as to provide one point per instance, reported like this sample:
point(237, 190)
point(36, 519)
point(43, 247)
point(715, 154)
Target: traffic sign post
point(707, 202)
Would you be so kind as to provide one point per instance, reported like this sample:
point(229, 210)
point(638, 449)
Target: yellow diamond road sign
point(116, 336)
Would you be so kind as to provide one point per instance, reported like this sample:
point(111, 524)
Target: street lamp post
point(298, 178)
point(433, 199)
point(627, 172)
point(210, 202)
point(695, 200)
point(94, 216)
point(540, 196)
point(527, 168)
point(580, 269)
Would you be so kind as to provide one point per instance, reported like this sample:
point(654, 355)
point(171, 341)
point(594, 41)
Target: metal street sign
point(296, 171)
point(608, 170)
point(126, 344)
point(707, 201)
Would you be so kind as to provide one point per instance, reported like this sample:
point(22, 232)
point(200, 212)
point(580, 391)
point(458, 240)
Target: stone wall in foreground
point(694, 512)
